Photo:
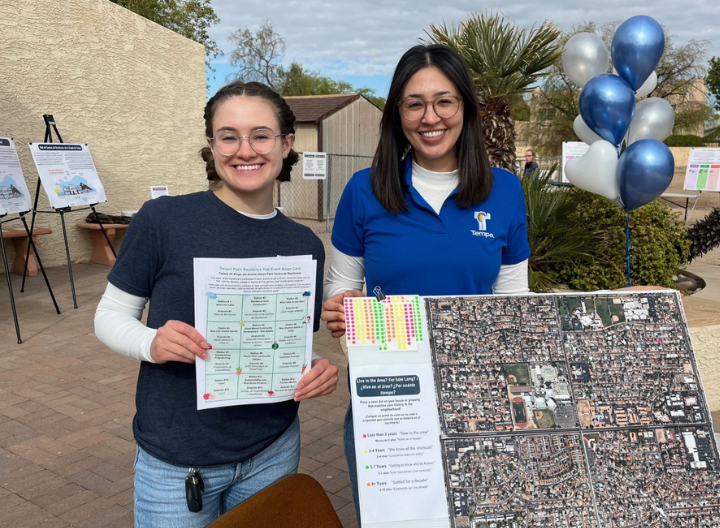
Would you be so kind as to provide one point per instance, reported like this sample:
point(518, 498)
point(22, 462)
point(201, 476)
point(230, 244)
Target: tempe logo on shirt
point(482, 219)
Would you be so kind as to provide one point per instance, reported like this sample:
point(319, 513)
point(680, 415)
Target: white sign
point(703, 170)
point(570, 150)
point(14, 195)
point(397, 438)
point(314, 165)
point(157, 191)
point(257, 318)
point(68, 174)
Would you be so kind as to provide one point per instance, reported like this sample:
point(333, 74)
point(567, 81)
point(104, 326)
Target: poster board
point(703, 170)
point(14, 195)
point(68, 174)
point(581, 409)
point(570, 150)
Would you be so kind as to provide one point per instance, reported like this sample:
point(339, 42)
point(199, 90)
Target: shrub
point(553, 240)
point(658, 238)
point(684, 140)
point(704, 235)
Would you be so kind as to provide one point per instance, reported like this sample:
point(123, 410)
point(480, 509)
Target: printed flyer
point(256, 315)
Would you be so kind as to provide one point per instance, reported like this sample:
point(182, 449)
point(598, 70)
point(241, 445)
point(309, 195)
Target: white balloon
point(596, 171)
point(584, 57)
point(583, 132)
point(654, 119)
point(648, 86)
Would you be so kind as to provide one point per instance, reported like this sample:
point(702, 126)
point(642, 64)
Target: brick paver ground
point(66, 407)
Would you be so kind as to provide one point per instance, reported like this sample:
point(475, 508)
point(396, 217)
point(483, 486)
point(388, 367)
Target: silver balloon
point(583, 132)
point(648, 86)
point(654, 119)
point(584, 57)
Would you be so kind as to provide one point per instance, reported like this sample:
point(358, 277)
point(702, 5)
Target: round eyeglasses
point(261, 141)
point(445, 106)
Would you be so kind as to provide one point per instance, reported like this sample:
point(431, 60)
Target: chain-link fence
point(314, 202)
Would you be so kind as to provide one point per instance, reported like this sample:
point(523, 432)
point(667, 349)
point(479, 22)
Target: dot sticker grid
point(392, 324)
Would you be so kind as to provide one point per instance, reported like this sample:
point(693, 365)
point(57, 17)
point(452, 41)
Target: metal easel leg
point(10, 290)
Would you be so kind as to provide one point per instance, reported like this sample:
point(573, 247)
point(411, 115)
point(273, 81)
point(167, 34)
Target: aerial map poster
point(68, 174)
point(576, 410)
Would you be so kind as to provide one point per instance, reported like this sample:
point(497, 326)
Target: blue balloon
point(636, 49)
point(607, 105)
point(644, 171)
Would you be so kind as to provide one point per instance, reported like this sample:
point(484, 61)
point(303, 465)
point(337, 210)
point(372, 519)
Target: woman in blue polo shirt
point(430, 217)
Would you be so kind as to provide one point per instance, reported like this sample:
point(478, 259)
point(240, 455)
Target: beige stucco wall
point(132, 90)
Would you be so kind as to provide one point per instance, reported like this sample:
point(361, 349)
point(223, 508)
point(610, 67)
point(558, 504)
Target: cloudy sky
point(361, 41)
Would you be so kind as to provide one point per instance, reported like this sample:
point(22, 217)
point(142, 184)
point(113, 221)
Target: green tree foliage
point(713, 81)
point(189, 18)
point(258, 57)
point(504, 60)
point(296, 80)
point(684, 140)
point(520, 109)
point(659, 239)
point(556, 101)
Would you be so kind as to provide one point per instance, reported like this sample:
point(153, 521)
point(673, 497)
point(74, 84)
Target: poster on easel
point(579, 409)
point(703, 170)
point(570, 150)
point(14, 195)
point(68, 174)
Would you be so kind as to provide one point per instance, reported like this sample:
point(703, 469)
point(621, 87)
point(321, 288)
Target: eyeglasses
point(445, 106)
point(261, 141)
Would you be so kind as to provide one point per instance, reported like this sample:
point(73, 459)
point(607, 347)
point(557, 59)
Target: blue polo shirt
point(456, 252)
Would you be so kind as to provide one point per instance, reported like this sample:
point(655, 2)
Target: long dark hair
point(475, 175)
point(285, 117)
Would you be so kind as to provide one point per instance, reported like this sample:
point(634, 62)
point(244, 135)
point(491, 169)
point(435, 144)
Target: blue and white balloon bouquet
point(610, 115)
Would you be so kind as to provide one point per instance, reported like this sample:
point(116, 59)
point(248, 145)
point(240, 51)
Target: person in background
point(235, 451)
point(530, 164)
point(430, 216)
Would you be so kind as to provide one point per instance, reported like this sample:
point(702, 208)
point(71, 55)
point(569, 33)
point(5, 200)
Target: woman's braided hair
point(284, 114)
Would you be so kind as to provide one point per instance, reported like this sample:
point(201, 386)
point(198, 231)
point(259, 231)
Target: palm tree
point(504, 61)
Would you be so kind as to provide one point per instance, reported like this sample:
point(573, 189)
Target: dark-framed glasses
point(261, 141)
point(445, 106)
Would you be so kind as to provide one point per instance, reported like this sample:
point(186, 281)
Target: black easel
point(31, 243)
point(49, 127)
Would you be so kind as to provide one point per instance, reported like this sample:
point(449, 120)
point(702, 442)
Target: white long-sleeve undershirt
point(348, 273)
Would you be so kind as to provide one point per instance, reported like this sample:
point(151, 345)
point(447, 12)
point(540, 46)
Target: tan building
point(132, 90)
point(344, 125)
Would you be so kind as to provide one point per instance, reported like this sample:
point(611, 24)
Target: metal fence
point(314, 202)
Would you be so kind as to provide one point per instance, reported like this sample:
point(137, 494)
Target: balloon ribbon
point(627, 243)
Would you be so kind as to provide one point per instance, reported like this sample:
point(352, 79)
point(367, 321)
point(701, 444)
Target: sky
point(361, 41)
